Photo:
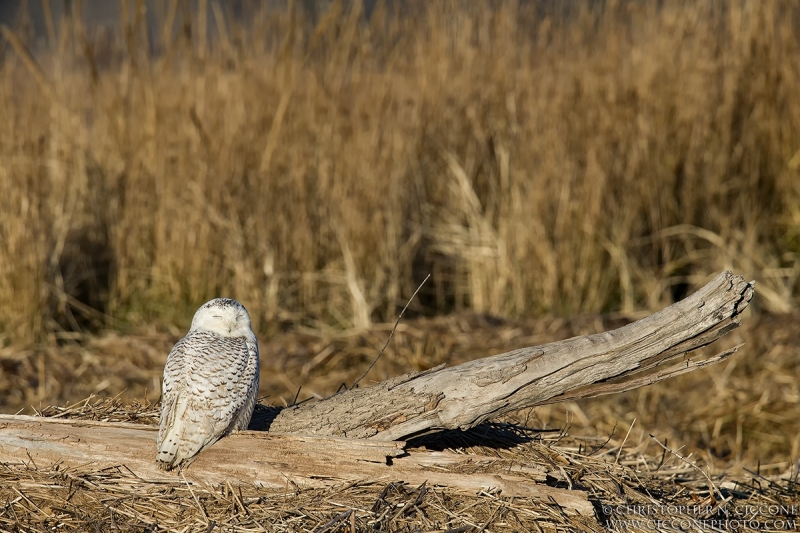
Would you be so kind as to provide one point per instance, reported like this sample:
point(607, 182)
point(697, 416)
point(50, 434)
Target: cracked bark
point(582, 367)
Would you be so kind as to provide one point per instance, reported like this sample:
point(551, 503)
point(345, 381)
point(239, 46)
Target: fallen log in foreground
point(284, 462)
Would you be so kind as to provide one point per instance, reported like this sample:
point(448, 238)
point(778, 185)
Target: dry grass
point(533, 161)
point(628, 488)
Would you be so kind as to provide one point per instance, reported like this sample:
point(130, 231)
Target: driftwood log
point(463, 396)
point(283, 462)
point(371, 418)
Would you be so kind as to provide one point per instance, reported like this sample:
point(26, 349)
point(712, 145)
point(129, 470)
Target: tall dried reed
point(317, 168)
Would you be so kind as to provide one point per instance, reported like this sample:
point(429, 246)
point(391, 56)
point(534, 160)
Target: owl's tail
point(178, 440)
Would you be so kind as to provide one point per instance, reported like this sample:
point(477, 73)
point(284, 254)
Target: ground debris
point(628, 489)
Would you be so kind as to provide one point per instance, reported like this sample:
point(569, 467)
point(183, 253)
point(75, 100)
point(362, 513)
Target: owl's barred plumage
point(210, 382)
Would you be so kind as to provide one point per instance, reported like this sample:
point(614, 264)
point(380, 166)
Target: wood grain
point(466, 395)
point(283, 462)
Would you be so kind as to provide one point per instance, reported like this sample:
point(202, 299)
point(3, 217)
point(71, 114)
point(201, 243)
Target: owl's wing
point(247, 387)
point(173, 404)
point(205, 387)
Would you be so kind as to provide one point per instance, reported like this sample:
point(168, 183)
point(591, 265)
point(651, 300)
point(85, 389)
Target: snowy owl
point(210, 382)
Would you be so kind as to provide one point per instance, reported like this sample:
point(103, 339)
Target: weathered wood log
point(259, 458)
point(466, 395)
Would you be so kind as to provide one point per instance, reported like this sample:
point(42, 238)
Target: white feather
point(210, 382)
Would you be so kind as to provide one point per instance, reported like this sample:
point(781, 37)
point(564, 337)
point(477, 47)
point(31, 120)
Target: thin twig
point(712, 488)
point(195, 498)
point(296, 396)
point(491, 518)
point(397, 322)
point(338, 518)
point(624, 441)
point(613, 432)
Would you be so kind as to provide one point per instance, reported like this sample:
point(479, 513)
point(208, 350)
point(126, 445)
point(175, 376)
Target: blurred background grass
point(607, 158)
point(539, 159)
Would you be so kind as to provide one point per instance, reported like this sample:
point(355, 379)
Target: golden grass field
point(600, 161)
point(557, 169)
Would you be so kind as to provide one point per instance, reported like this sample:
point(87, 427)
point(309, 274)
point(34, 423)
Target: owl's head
point(223, 316)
